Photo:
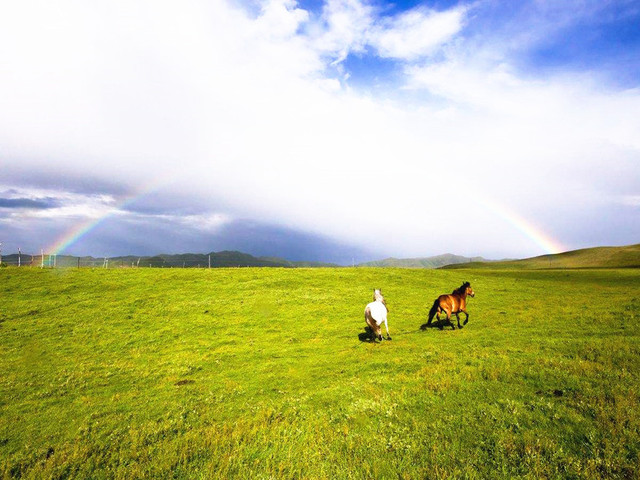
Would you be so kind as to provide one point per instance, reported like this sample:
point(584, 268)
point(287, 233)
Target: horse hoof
point(388, 337)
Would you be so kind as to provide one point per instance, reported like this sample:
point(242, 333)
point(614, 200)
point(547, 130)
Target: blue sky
point(320, 130)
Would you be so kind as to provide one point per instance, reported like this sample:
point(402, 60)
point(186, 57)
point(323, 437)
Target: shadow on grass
point(438, 324)
point(369, 337)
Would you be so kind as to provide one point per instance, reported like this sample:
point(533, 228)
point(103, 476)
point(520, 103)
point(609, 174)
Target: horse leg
point(387, 327)
point(370, 323)
point(458, 318)
point(466, 320)
point(449, 319)
point(377, 333)
point(441, 323)
point(375, 329)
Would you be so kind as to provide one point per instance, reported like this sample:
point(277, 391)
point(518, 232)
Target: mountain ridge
point(594, 257)
point(224, 258)
point(435, 261)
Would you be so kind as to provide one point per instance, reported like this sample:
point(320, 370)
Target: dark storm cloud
point(39, 204)
point(599, 225)
point(268, 240)
point(150, 236)
point(163, 203)
point(50, 177)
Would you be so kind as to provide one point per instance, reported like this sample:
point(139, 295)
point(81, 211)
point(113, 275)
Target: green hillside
point(267, 373)
point(423, 262)
point(597, 257)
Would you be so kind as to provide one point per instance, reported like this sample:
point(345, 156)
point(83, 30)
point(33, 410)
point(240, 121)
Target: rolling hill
point(597, 257)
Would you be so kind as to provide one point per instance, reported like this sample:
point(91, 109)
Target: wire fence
point(65, 261)
point(189, 260)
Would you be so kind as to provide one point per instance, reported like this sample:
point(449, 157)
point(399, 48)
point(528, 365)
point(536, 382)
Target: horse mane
point(462, 288)
point(378, 297)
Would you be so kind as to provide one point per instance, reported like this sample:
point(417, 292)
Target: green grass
point(260, 373)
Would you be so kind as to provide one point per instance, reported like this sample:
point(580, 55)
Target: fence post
point(42, 259)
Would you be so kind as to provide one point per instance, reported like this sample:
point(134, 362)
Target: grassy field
point(261, 373)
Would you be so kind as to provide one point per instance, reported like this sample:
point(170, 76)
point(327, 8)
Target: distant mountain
point(423, 262)
point(597, 257)
point(225, 258)
point(288, 263)
point(183, 260)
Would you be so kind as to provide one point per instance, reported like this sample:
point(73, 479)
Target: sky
point(343, 130)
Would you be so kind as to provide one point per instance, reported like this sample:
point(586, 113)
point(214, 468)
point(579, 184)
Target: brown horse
point(452, 304)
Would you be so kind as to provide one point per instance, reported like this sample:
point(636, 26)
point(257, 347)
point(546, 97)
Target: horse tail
point(434, 309)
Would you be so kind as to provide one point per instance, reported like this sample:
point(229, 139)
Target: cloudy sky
point(319, 130)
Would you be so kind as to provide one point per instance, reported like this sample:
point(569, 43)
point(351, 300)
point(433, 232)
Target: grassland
point(261, 373)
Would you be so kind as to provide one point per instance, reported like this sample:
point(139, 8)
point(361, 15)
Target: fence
point(66, 261)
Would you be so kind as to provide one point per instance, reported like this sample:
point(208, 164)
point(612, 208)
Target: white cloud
point(350, 26)
point(342, 28)
point(63, 204)
point(416, 33)
point(565, 127)
point(67, 211)
point(206, 222)
point(280, 19)
point(630, 200)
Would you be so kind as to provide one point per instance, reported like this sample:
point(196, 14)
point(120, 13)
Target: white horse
point(376, 313)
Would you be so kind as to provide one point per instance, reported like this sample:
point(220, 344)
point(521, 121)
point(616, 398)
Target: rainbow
point(534, 233)
point(531, 231)
point(81, 229)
